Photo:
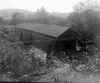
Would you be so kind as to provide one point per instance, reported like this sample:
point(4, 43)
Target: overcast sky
point(50, 5)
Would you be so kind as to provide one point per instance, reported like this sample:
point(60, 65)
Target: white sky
point(50, 5)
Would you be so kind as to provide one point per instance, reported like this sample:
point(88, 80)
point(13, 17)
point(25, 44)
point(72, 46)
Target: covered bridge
point(49, 38)
point(40, 35)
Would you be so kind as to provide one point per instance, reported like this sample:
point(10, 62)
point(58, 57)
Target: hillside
point(7, 13)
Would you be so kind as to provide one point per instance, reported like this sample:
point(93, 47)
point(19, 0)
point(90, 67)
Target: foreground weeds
point(31, 65)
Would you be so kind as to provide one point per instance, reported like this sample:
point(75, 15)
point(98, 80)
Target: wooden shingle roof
point(51, 30)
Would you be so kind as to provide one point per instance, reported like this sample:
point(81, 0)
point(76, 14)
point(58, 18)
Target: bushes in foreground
point(14, 61)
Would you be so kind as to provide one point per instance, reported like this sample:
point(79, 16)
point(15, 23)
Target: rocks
point(37, 53)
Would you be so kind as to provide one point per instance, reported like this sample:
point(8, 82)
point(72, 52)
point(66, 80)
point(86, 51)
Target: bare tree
point(85, 21)
point(88, 4)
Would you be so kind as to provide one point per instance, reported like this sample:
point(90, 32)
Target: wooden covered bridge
point(49, 38)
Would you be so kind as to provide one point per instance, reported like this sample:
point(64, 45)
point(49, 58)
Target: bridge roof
point(51, 30)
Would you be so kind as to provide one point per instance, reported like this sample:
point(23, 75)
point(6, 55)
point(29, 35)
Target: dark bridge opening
point(68, 45)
